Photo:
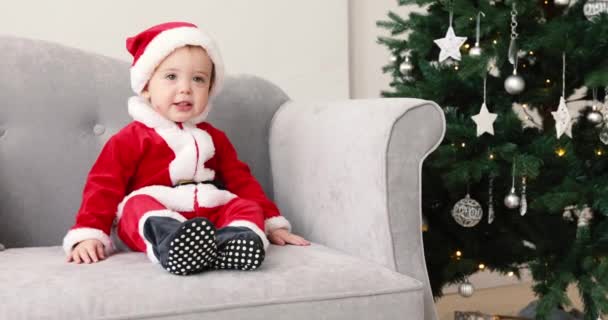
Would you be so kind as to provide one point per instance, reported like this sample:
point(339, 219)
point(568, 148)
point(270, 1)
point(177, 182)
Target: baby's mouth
point(183, 104)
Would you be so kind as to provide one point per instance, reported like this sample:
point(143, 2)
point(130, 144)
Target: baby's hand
point(87, 251)
point(283, 237)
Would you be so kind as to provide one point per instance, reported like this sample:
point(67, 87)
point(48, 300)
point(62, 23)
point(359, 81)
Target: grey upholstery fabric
point(293, 283)
point(346, 174)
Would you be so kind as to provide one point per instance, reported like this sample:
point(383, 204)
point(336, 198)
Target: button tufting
point(99, 129)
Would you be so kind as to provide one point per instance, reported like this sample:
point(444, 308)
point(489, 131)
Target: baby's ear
point(145, 93)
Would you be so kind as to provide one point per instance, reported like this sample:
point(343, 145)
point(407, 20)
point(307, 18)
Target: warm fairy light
point(511, 273)
point(560, 152)
point(548, 81)
point(466, 46)
point(495, 41)
point(471, 18)
point(525, 105)
point(531, 53)
point(599, 152)
point(463, 144)
point(458, 254)
point(456, 67)
point(491, 156)
point(482, 266)
point(546, 2)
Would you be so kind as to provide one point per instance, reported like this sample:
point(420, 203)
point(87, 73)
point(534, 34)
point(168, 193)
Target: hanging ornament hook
point(477, 29)
point(564, 74)
point(514, 35)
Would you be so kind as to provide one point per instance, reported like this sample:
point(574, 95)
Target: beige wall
point(300, 45)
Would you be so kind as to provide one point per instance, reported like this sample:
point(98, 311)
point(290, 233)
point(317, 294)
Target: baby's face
point(179, 87)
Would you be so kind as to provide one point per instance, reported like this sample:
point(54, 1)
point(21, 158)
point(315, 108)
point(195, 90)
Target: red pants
point(236, 212)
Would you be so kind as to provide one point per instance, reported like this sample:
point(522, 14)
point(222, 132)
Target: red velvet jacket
point(154, 151)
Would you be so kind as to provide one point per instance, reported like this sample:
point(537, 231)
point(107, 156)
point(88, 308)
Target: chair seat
point(312, 282)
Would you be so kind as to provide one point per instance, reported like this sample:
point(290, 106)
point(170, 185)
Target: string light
point(466, 46)
point(455, 67)
point(531, 53)
point(560, 152)
point(511, 273)
point(548, 81)
point(458, 254)
point(491, 156)
point(482, 266)
point(495, 41)
point(463, 144)
point(599, 152)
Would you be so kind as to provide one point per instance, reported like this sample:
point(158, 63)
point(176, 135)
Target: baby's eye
point(171, 76)
point(198, 79)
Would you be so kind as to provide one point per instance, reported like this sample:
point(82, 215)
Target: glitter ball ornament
point(512, 199)
point(406, 67)
point(466, 289)
point(467, 212)
point(594, 116)
point(476, 51)
point(515, 84)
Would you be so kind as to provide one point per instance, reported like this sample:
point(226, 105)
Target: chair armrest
point(347, 175)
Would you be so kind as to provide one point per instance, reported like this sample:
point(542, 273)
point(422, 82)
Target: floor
point(505, 300)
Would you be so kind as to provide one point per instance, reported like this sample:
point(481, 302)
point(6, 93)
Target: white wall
point(367, 57)
point(300, 45)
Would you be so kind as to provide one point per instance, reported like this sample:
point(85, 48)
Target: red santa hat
point(152, 46)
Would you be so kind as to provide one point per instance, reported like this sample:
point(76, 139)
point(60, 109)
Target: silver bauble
point(512, 200)
point(594, 8)
point(475, 51)
point(467, 212)
point(406, 67)
point(595, 117)
point(466, 289)
point(561, 3)
point(515, 84)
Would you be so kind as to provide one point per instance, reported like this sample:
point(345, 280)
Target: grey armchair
point(346, 174)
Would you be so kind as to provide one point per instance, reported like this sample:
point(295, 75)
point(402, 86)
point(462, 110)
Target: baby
point(172, 181)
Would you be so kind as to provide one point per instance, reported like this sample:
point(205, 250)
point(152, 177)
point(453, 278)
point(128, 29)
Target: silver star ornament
point(484, 120)
point(563, 120)
point(450, 45)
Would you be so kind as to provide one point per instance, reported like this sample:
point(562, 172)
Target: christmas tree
point(521, 178)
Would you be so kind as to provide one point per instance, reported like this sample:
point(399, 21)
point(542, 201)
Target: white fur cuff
point(75, 236)
point(277, 222)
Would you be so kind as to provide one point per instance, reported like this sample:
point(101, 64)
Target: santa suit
point(138, 173)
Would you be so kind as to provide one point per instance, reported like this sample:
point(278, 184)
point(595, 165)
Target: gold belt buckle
point(184, 182)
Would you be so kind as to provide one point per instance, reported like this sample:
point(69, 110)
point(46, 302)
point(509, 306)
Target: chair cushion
point(312, 282)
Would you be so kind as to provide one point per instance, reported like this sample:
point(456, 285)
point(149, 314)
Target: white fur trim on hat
point(163, 44)
point(254, 228)
point(75, 236)
point(277, 222)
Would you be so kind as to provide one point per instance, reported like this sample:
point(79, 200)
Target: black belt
point(217, 183)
